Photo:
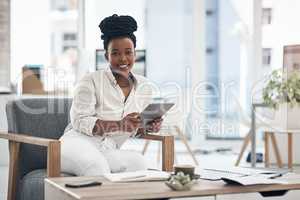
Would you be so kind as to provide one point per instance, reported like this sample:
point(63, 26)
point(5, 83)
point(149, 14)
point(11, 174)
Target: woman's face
point(121, 55)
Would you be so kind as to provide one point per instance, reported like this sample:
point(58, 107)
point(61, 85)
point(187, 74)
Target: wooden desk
point(55, 189)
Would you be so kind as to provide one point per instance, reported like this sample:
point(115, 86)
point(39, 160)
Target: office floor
point(206, 156)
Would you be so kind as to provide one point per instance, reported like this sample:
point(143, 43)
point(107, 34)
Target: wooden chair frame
point(180, 133)
point(53, 155)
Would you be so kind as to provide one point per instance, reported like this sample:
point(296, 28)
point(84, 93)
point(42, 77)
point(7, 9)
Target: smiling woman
point(106, 106)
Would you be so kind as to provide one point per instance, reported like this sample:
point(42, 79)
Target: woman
point(106, 106)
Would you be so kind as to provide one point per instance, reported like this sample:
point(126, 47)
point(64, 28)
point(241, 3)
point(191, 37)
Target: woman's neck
point(123, 81)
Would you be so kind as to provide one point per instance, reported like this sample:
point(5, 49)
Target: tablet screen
point(155, 110)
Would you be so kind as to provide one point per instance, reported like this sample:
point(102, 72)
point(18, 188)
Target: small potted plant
point(282, 93)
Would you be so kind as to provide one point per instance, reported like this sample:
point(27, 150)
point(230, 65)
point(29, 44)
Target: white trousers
point(84, 155)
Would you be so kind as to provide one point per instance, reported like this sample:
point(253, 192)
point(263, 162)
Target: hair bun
point(115, 25)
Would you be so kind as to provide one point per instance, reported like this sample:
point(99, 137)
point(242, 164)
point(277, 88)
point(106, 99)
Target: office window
point(209, 13)
point(63, 5)
point(70, 36)
point(266, 16)
point(266, 56)
point(69, 41)
point(209, 50)
point(67, 47)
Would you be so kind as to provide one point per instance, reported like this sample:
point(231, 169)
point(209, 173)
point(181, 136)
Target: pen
point(276, 176)
point(152, 169)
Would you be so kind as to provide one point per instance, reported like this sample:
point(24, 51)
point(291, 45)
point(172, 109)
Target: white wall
point(229, 44)
point(30, 34)
point(168, 37)
point(198, 71)
point(229, 60)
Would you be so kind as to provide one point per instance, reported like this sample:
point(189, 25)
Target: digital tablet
point(155, 110)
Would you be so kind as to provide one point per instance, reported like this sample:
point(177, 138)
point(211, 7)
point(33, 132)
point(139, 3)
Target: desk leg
point(253, 138)
point(244, 146)
point(276, 150)
point(267, 158)
point(290, 150)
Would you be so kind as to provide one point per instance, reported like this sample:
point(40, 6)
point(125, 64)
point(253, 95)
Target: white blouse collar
point(113, 80)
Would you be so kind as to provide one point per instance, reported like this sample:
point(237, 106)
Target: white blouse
point(98, 96)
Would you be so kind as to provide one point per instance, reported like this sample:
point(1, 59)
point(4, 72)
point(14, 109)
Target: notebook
point(143, 175)
point(251, 180)
point(215, 174)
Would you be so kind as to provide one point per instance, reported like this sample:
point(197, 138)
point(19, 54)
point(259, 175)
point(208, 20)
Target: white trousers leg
point(122, 160)
point(82, 155)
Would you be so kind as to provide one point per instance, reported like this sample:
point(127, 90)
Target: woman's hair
point(117, 26)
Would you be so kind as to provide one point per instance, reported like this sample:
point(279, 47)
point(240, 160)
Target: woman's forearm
point(101, 127)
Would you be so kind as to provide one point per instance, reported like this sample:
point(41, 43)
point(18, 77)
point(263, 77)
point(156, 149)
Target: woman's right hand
point(130, 122)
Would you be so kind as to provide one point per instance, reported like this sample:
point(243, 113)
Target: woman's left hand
point(154, 126)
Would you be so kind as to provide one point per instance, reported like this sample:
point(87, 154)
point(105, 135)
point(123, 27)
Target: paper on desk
point(291, 178)
point(218, 173)
point(242, 171)
point(143, 175)
point(252, 180)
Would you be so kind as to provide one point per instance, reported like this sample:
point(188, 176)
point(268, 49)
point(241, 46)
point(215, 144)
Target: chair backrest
point(41, 117)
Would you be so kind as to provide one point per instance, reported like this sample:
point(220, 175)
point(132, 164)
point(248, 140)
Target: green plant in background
point(282, 87)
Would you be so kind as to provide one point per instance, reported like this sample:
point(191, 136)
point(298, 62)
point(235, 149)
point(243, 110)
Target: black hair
point(117, 26)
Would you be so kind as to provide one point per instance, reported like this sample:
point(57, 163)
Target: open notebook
point(251, 180)
point(243, 176)
point(145, 175)
point(215, 174)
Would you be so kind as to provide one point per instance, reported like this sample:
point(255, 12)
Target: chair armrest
point(27, 139)
point(53, 149)
point(53, 157)
point(154, 137)
point(167, 149)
